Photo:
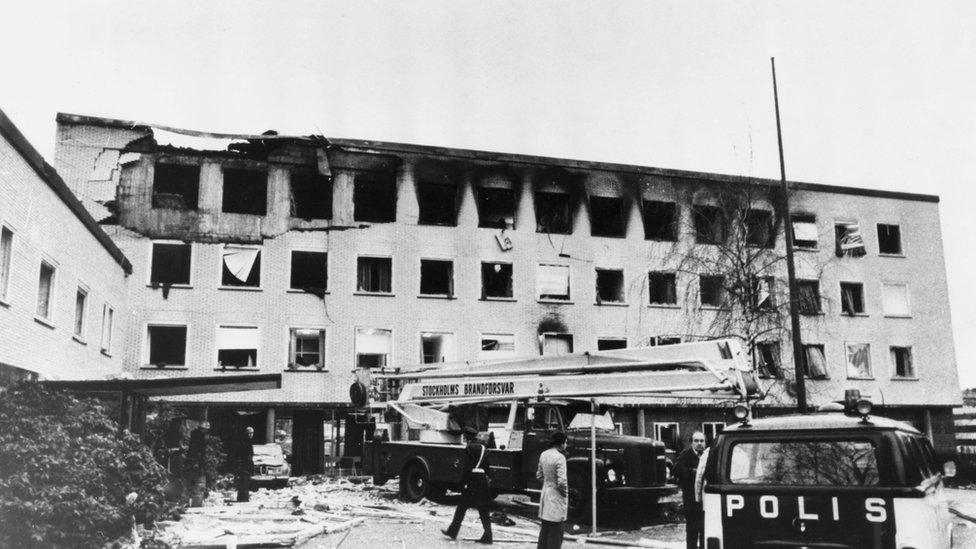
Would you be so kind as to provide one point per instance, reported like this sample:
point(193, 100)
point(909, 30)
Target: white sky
point(873, 94)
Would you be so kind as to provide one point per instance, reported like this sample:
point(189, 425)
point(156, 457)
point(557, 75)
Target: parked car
point(270, 466)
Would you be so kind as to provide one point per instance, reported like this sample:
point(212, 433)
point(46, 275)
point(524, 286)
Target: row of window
point(857, 361)
point(238, 346)
point(176, 186)
point(241, 267)
point(47, 279)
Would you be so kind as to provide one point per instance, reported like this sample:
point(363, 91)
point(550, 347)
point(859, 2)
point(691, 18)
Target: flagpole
point(801, 390)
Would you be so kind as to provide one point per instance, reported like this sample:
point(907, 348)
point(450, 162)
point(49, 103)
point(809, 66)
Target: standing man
point(476, 492)
point(195, 468)
point(554, 501)
point(686, 468)
point(244, 464)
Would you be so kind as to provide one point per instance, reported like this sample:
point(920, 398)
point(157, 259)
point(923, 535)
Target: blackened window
point(758, 226)
point(552, 213)
point(660, 220)
point(768, 359)
point(609, 286)
point(901, 359)
point(438, 204)
point(245, 191)
point(167, 345)
point(808, 298)
point(170, 263)
point(374, 197)
point(607, 216)
point(852, 297)
point(496, 207)
point(436, 277)
point(662, 288)
point(309, 270)
point(711, 225)
point(496, 280)
point(889, 239)
point(311, 196)
point(374, 274)
point(610, 343)
point(711, 290)
point(175, 186)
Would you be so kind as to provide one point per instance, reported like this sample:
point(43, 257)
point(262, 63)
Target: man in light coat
point(554, 502)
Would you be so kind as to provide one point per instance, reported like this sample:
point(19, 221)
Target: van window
point(804, 463)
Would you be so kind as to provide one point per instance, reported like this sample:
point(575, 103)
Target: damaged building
point(312, 257)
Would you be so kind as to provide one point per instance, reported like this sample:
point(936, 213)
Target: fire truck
point(516, 404)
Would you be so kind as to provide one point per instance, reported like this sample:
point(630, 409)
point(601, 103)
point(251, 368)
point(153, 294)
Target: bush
point(66, 473)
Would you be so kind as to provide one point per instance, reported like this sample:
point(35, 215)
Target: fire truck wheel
point(579, 498)
point(414, 482)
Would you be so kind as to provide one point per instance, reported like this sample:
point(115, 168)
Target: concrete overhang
point(172, 386)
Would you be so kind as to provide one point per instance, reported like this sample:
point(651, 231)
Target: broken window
point(711, 226)
point(552, 213)
point(556, 344)
point(762, 292)
point(237, 346)
point(496, 280)
point(711, 290)
point(901, 361)
point(170, 263)
point(45, 291)
point(436, 277)
point(895, 297)
point(374, 275)
point(767, 359)
point(608, 216)
point(373, 347)
point(808, 297)
point(108, 328)
point(804, 230)
point(609, 286)
point(166, 345)
point(309, 271)
point(311, 196)
point(438, 203)
point(859, 360)
point(496, 207)
point(660, 220)
point(306, 348)
point(662, 288)
point(889, 239)
point(374, 197)
point(81, 300)
point(6, 254)
point(611, 343)
point(241, 267)
point(852, 297)
point(814, 361)
point(667, 433)
point(497, 346)
point(848, 240)
point(436, 347)
point(245, 191)
point(175, 186)
point(758, 226)
point(552, 282)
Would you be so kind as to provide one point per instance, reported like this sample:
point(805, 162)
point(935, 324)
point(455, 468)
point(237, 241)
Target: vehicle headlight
point(611, 475)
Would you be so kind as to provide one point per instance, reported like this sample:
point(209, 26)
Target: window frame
point(610, 338)
point(420, 341)
point(422, 187)
point(291, 266)
point(757, 356)
point(165, 161)
point(675, 223)
point(819, 298)
point(548, 298)
point(79, 326)
point(862, 301)
point(716, 427)
point(657, 426)
point(452, 287)
point(600, 201)
point(243, 287)
point(804, 217)
point(481, 276)
point(224, 168)
point(257, 348)
point(847, 360)
point(721, 221)
point(309, 177)
point(107, 336)
point(748, 216)
point(146, 354)
point(894, 363)
point(47, 319)
point(846, 224)
point(6, 262)
point(806, 366)
point(542, 224)
point(722, 294)
point(375, 179)
point(291, 365)
point(151, 263)
point(908, 299)
point(901, 244)
point(544, 336)
point(623, 285)
point(481, 342)
point(673, 276)
point(370, 292)
point(355, 346)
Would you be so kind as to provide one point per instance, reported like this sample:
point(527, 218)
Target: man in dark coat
point(477, 492)
point(244, 464)
point(685, 468)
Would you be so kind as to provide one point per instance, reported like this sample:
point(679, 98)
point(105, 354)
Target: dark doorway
point(307, 439)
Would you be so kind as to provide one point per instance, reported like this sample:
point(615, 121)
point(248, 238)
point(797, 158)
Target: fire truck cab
point(825, 480)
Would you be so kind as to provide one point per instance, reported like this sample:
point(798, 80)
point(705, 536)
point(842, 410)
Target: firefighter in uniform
point(477, 492)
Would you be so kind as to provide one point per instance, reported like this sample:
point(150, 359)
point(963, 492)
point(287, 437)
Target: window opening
point(808, 298)
point(436, 277)
point(658, 341)
point(307, 348)
point(848, 240)
point(81, 301)
point(373, 347)
point(237, 346)
point(170, 263)
point(610, 343)
point(609, 286)
point(552, 213)
point(436, 347)
point(496, 280)
point(374, 197)
point(852, 298)
point(45, 290)
point(767, 357)
point(6, 254)
point(167, 345)
point(711, 430)
point(660, 220)
point(241, 267)
point(245, 191)
point(859, 360)
point(668, 434)
point(553, 282)
point(496, 207)
point(804, 230)
point(901, 360)
point(762, 293)
point(311, 196)
point(814, 362)
point(374, 275)
point(497, 346)
point(175, 186)
point(889, 239)
point(309, 271)
point(758, 225)
point(557, 344)
point(437, 203)
point(711, 289)
point(711, 227)
point(108, 327)
point(662, 288)
point(607, 216)
point(895, 298)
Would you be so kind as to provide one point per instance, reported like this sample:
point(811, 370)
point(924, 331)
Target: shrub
point(66, 473)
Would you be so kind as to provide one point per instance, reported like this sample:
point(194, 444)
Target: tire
point(414, 482)
point(579, 498)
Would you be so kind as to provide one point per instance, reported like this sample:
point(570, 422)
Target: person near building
point(244, 464)
point(195, 468)
point(554, 500)
point(477, 491)
point(686, 468)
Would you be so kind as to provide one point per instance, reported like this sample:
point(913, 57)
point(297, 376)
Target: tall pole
point(801, 390)
point(593, 409)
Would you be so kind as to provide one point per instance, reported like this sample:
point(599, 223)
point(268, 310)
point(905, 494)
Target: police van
point(829, 479)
